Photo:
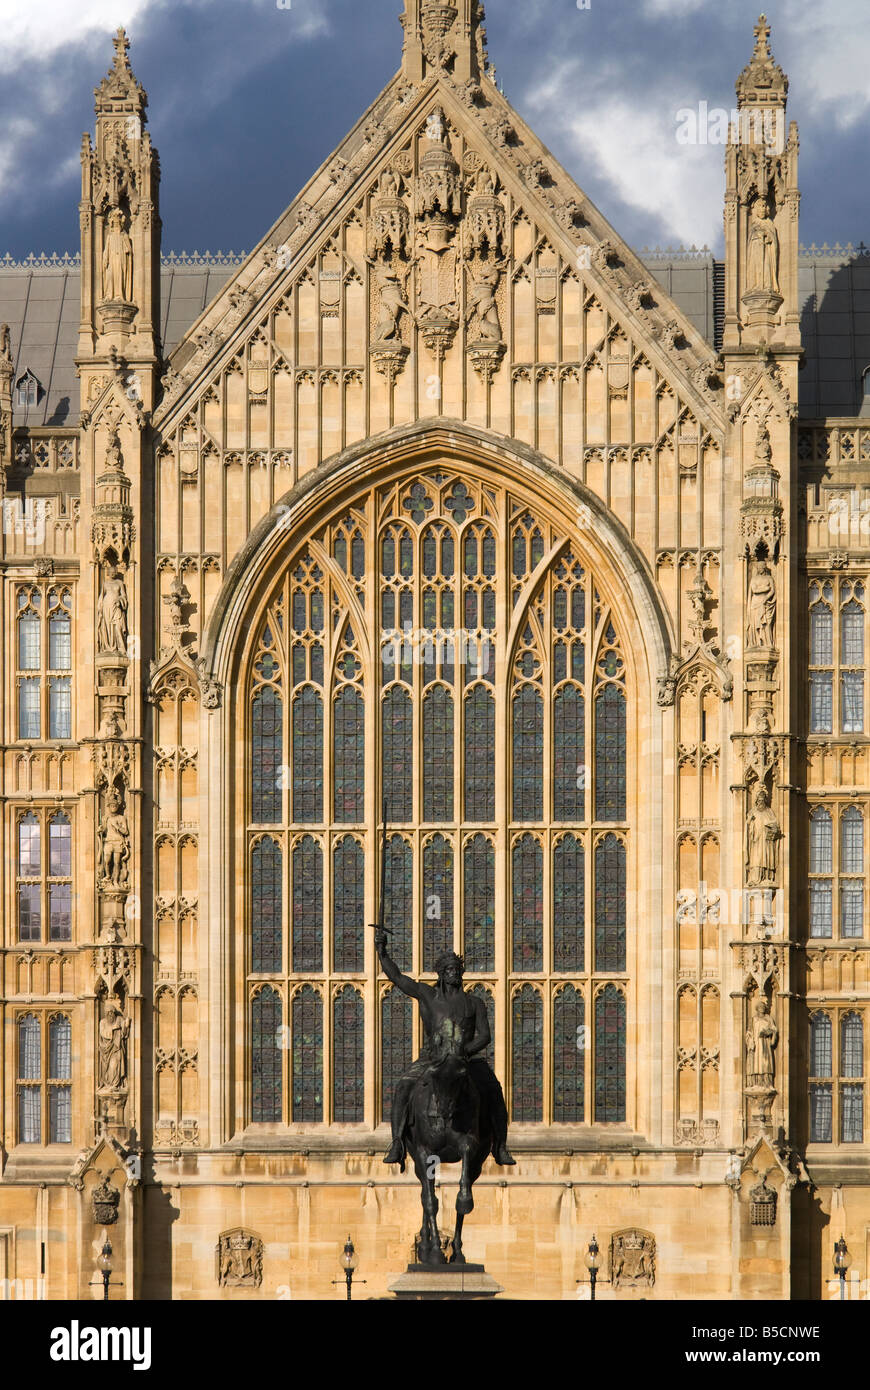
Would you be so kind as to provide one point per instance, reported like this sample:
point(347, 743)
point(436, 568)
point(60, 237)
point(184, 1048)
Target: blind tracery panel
point(380, 670)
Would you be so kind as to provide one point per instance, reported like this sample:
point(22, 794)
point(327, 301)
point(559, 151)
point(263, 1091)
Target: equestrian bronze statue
point(449, 1106)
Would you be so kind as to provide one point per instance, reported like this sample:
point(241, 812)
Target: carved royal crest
point(104, 1203)
point(632, 1259)
point(239, 1260)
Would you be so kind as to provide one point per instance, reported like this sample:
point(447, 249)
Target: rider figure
point(439, 1004)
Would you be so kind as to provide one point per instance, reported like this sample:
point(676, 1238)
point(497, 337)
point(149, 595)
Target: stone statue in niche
point(762, 836)
point(482, 318)
point(112, 613)
point(393, 305)
point(762, 253)
point(762, 1036)
point(117, 260)
point(5, 348)
point(114, 837)
point(114, 1034)
point(761, 619)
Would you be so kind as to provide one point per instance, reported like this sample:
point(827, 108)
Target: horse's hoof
point(457, 1259)
point(464, 1205)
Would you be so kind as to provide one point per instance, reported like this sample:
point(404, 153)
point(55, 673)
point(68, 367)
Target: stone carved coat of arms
point(239, 1260)
point(632, 1259)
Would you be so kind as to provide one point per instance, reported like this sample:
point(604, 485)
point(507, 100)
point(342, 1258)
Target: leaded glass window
point(307, 864)
point(610, 1056)
point(44, 879)
point(348, 904)
point(437, 899)
point(527, 1071)
point(836, 1097)
point(266, 1057)
point(569, 905)
point(44, 1077)
point(610, 904)
point(478, 858)
point(44, 646)
point(306, 1016)
point(348, 1054)
point(266, 908)
point(396, 1044)
point(59, 1077)
point(528, 904)
point(569, 1056)
point(837, 649)
point(437, 645)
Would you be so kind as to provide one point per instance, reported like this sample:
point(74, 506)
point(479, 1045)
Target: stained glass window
point(349, 756)
point(527, 1051)
point(569, 905)
point(610, 904)
point(609, 1056)
point(528, 904)
point(437, 900)
point(528, 755)
point(479, 755)
point(266, 908)
point(399, 907)
point(307, 1026)
point(347, 1056)
point(398, 754)
point(60, 1072)
point(266, 740)
point(569, 744)
point(307, 864)
point(610, 754)
point(348, 904)
point(481, 992)
point(438, 755)
point(266, 1054)
point(569, 1053)
point(396, 1044)
point(307, 756)
point(478, 858)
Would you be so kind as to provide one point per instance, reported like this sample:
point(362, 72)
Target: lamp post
point(349, 1262)
point(842, 1260)
point(593, 1264)
point(104, 1265)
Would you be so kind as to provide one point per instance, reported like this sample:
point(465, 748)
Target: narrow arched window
point(821, 1088)
point(438, 755)
point(399, 885)
point(821, 869)
point(852, 1079)
point(347, 1056)
point(266, 1057)
point(610, 904)
point(569, 905)
point(396, 1045)
point(852, 873)
point(528, 904)
point(479, 755)
point(437, 899)
point(266, 908)
point(306, 1018)
point(59, 1077)
point(569, 1056)
point(610, 1046)
point(29, 1079)
point(478, 859)
point(527, 1054)
point(307, 866)
point(348, 904)
point(398, 754)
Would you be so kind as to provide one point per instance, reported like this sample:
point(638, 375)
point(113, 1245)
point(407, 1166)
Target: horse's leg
point(464, 1198)
point(430, 1241)
point(457, 1258)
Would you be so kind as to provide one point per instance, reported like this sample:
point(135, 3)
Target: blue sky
point(247, 98)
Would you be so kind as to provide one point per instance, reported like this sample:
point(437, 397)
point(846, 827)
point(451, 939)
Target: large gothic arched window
point(445, 648)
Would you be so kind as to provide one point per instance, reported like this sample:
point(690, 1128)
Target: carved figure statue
point(762, 252)
point(112, 613)
point(117, 260)
point(762, 1036)
point(114, 1032)
point(393, 305)
point(114, 836)
point(483, 184)
point(483, 307)
point(5, 346)
point(114, 457)
point(762, 835)
point(761, 617)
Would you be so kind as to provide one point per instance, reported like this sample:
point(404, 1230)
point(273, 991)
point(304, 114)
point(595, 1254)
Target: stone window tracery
point(836, 1081)
point(507, 801)
point(43, 659)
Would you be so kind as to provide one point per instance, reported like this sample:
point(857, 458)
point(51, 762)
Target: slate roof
point(39, 299)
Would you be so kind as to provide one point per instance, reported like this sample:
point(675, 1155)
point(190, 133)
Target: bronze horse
point(448, 1122)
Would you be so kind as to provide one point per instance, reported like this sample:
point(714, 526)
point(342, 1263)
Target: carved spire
point(119, 94)
point(444, 36)
point(762, 82)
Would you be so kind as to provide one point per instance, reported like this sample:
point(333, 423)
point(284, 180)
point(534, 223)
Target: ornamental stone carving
point(239, 1260)
point(112, 608)
point(114, 838)
point(762, 842)
point(632, 1259)
point(114, 1037)
point(761, 603)
point(104, 1203)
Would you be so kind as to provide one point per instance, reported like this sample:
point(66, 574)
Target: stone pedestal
point(442, 1282)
